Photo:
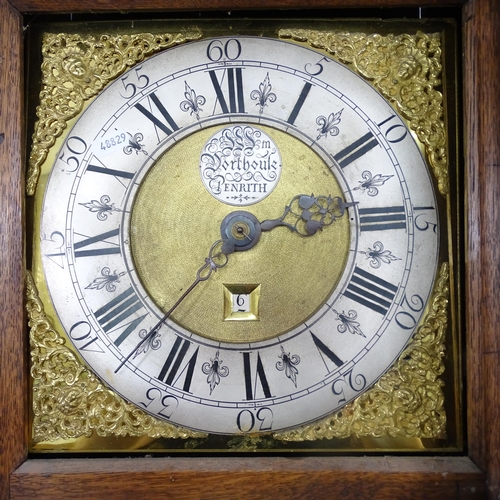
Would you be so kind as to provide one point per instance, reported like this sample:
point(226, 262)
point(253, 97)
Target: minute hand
point(306, 215)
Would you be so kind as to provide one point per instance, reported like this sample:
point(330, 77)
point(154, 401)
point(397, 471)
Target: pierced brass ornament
point(69, 401)
point(76, 68)
point(406, 70)
point(408, 400)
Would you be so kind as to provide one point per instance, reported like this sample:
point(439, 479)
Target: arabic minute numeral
point(421, 222)
point(318, 67)
point(405, 319)
point(248, 419)
point(81, 331)
point(164, 405)
point(77, 146)
point(231, 50)
point(142, 81)
point(394, 133)
point(356, 383)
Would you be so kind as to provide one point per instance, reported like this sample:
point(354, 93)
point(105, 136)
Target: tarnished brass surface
point(406, 69)
point(69, 401)
point(175, 221)
point(76, 68)
point(408, 400)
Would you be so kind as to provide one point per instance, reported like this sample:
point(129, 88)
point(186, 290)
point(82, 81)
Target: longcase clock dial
point(271, 198)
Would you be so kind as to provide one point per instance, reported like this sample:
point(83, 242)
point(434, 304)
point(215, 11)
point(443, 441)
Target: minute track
point(201, 381)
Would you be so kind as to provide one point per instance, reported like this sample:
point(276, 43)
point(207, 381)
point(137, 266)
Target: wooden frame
point(476, 475)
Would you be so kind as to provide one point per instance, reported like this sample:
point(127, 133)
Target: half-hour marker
point(382, 218)
point(370, 291)
point(355, 150)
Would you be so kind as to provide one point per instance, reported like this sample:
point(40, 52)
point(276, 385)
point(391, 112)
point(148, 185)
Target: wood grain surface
point(482, 108)
point(395, 478)
point(74, 6)
point(13, 358)
point(257, 477)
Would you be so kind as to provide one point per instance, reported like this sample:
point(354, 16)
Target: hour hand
point(306, 215)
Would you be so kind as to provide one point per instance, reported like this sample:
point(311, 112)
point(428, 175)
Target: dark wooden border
point(257, 477)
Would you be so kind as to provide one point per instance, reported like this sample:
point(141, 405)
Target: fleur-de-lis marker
point(193, 102)
point(214, 371)
point(348, 323)
point(153, 342)
point(288, 364)
point(107, 280)
point(329, 125)
point(134, 144)
point(102, 208)
point(378, 255)
point(370, 183)
point(264, 94)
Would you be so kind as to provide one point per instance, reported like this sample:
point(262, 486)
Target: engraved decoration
point(408, 400)
point(240, 165)
point(405, 69)
point(76, 68)
point(69, 401)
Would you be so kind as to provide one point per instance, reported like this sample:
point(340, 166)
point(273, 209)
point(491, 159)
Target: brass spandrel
point(407, 77)
point(76, 68)
point(406, 69)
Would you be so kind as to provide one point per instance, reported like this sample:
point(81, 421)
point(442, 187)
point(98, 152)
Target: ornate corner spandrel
point(74, 69)
point(69, 401)
point(406, 69)
point(407, 401)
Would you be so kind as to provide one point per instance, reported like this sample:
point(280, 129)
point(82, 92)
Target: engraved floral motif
point(74, 69)
point(371, 182)
point(406, 69)
point(101, 208)
point(329, 125)
point(348, 322)
point(107, 280)
point(214, 371)
point(69, 401)
point(193, 102)
point(134, 144)
point(153, 342)
point(378, 256)
point(264, 94)
point(288, 364)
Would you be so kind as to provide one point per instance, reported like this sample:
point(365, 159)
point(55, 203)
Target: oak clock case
point(291, 197)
